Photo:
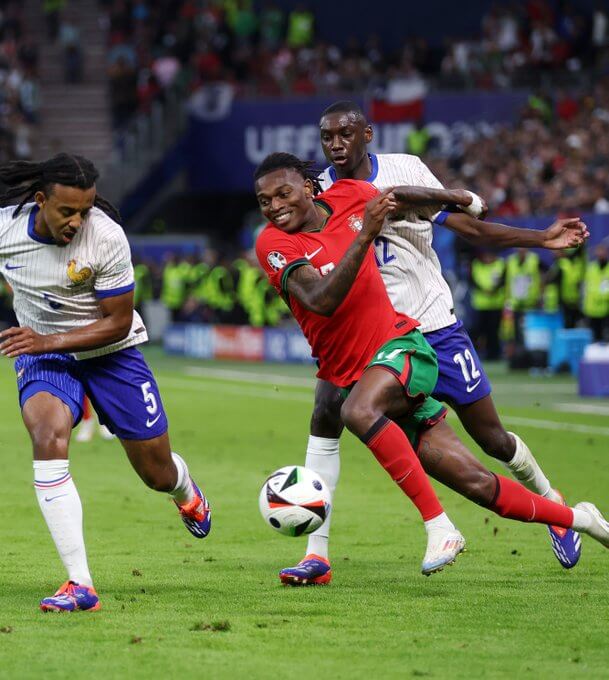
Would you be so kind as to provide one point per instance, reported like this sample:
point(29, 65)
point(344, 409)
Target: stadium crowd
point(553, 161)
point(159, 44)
point(19, 84)
point(210, 289)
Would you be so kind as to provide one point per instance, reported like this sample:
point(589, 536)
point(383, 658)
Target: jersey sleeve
point(424, 177)
point(6, 221)
point(279, 254)
point(115, 271)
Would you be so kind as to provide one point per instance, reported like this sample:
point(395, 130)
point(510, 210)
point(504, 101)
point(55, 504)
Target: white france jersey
point(58, 288)
point(408, 263)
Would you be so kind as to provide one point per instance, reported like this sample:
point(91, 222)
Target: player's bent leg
point(164, 470)
point(446, 459)
point(49, 420)
point(380, 391)
point(482, 422)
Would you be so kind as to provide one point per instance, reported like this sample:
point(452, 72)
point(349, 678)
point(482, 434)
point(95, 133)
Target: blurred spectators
point(554, 161)
point(19, 85)
point(188, 45)
point(69, 39)
point(210, 289)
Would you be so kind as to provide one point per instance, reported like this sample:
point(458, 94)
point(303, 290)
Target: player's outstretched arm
point(419, 196)
point(323, 294)
point(564, 233)
point(114, 326)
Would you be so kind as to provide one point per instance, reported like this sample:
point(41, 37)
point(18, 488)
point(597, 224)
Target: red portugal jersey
point(345, 342)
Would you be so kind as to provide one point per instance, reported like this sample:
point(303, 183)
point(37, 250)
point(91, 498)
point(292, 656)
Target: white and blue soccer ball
point(294, 500)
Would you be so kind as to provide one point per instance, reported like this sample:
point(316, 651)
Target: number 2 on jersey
point(381, 251)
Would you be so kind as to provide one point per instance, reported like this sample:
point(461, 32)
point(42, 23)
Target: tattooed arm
point(323, 294)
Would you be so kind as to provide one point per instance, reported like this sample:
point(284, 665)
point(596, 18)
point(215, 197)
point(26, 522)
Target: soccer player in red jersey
point(317, 254)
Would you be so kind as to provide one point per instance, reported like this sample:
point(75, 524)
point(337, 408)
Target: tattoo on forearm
point(327, 292)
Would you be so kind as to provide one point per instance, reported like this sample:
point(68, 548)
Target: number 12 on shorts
point(468, 367)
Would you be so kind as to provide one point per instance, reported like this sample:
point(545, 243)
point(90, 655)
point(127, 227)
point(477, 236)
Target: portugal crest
point(356, 222)
point(276, 260)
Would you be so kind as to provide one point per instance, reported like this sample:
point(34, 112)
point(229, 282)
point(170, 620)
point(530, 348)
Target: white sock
point(526, 470)
point(441, 522)
point(183, 492)
point(62, 511)
point(324, 458)
point(581, 520)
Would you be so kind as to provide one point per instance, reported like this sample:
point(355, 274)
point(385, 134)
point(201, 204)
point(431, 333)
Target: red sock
point(514, 501)
point(86, 409)
point(394, 452)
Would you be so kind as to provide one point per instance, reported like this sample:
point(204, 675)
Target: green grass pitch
point(175, 606)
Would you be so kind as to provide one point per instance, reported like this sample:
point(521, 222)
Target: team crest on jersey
point(276, 260)
point(78, 275)
point(356, 222)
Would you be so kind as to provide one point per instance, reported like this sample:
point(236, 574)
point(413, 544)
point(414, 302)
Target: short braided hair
point(281, 161)
point(25, 178)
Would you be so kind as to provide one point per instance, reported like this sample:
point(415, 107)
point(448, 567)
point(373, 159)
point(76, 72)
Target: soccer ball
point(294, 500)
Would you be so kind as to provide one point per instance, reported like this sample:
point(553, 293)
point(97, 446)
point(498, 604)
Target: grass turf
point(172, 604)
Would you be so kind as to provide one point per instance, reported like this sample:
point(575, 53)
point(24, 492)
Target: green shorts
point(414, 363)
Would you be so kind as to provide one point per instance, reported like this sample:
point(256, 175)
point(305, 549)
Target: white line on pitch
point(247, 376)
point(248, 391)
point(591, 409)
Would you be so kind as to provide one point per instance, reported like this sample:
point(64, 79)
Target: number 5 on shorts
point(149, 398)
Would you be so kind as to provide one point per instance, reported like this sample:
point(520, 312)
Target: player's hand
point(377, 210)
point(18, 341)
point(565, 233)
point(473, 204)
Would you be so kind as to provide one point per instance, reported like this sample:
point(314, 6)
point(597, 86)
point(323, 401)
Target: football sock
point(526, 470)
point(394, 452)
point(62, 510)
point(323, 457)
point(513, 501)
point(183, 492)
point(581, 520)
point(439, 523)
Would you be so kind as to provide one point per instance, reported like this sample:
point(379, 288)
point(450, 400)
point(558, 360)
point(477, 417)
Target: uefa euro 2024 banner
point(228, 137)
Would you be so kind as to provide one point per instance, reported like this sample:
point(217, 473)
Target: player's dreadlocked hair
point(25, 178)
point(282, 161)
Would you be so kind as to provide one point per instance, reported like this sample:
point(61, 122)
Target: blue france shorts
point(120, 385)
point(461, 377)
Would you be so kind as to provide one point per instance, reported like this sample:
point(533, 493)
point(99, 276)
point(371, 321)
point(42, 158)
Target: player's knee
point(326, 417)
point(49, 442)
point(359, 416)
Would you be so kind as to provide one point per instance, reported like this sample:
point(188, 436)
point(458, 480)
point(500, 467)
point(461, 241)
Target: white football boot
point(443, 546)
point(599, 527)
point(86, 430)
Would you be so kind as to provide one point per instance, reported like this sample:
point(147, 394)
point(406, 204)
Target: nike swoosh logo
point(150, 423)
point(314, 253)
point(471, 388)
point(52, 498)
point(15, 266)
